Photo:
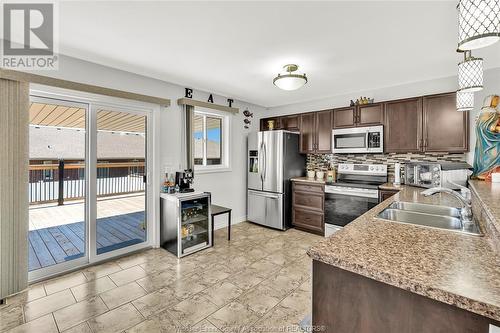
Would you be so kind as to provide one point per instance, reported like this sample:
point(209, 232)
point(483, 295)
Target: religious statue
point(487, 153)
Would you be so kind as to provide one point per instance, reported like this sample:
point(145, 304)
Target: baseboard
point(223, 223)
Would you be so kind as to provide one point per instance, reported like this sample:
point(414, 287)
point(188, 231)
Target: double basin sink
point(432, 216)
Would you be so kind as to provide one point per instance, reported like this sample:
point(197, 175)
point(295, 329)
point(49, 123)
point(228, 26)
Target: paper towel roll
point(397, 173)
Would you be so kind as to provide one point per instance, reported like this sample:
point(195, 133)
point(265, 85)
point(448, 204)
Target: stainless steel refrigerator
point(273, 158)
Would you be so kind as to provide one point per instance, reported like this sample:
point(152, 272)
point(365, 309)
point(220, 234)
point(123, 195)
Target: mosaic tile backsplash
point(326, 161)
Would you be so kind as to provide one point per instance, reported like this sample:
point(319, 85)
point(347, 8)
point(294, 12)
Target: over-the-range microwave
point(358, 140)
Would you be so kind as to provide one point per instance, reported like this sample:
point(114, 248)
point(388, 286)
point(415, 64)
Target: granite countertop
point(390, 187)
point(461, 270)
point(308, 180)
point(489, 195)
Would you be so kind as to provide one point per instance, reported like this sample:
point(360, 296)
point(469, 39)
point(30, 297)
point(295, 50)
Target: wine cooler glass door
point(195, 225)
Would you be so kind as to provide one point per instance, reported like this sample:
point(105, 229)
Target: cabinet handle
point(425, 143)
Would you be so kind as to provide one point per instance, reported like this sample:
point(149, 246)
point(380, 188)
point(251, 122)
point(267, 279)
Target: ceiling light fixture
point(290, 81)
point(470, 73)
point(478, 23)
point(465, 101)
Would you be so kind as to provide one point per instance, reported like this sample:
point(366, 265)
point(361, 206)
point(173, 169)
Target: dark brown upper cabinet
point(425, 124)
point(361, 115)
point(344, 117)
point(324, 131)
point(316, 132)
point(444, 128)
point(290, 123)
point(307, 132)
point(403, 126)
point(264, 123)
point(420, 124)
point(370, 114)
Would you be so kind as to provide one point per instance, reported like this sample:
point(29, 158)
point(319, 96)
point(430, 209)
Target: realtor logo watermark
point(28, 40)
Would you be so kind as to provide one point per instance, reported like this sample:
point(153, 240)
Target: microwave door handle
point(366, 139)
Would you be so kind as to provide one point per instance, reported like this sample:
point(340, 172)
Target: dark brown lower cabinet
point(385, 194)
point(345, 302)
point(308, 200)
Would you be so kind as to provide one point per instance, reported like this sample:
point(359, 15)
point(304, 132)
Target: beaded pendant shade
point(470, 73)
point(465, 101)
point(478, 23)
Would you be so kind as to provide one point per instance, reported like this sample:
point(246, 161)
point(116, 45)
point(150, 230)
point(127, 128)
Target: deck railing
point(112, 179)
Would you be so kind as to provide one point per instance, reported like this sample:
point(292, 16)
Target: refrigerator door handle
point(264, 164)
point(264, 194)
point(261, 161)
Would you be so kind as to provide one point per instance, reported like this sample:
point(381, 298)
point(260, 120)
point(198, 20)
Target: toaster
point(437, 174)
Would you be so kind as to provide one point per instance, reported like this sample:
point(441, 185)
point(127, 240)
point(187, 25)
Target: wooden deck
point(62, 243)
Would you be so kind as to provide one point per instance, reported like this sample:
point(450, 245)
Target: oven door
point(343, 205)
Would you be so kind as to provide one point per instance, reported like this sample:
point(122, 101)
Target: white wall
point(447, 84)
point(228, 188)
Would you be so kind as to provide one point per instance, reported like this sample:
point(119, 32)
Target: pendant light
point(470, 73)
point(478, 23)
point(465, 101)
point(290, 81)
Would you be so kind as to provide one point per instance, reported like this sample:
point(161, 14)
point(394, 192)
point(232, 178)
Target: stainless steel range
point(354, 193)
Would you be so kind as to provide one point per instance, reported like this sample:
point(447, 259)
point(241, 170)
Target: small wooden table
point(218, 210)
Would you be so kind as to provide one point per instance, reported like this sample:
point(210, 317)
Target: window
point(210, 141)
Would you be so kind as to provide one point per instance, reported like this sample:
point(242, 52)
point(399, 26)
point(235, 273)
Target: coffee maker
point(184, 179)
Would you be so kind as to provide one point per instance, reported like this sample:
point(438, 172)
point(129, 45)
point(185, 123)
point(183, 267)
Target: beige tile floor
point(259, 281)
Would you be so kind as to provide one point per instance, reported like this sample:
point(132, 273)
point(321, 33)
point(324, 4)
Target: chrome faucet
point(464, 197)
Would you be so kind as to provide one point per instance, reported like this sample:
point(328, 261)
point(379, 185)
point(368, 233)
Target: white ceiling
point(236, 48)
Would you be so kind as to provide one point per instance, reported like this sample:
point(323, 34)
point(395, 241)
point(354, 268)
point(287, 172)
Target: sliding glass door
point(120, 180)
point(87, 183)
point(58, 219)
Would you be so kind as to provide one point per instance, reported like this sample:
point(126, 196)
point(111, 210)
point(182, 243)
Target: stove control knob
point(371, 168)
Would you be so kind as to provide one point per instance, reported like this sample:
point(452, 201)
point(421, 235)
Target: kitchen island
point(381, 276)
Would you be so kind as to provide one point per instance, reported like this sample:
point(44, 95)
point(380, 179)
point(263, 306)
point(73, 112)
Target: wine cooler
point(186, 226)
